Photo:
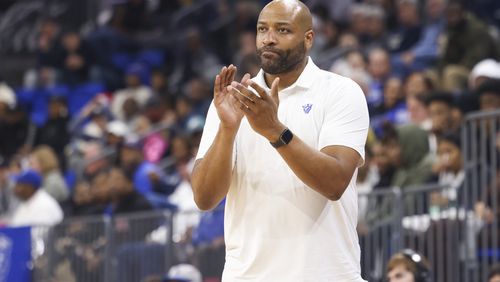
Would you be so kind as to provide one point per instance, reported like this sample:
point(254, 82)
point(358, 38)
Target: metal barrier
point(480, 149)
point(408, 218)
point(458, 236)
point(103, 248)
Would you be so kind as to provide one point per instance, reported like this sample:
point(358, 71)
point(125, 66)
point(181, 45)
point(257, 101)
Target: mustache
point(269, 49)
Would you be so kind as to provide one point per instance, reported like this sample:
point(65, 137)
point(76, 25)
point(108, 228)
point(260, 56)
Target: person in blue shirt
point(147, 177)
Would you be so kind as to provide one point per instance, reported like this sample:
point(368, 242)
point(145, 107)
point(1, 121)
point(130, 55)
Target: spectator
point(183, 272)
point(408, 151)
point(393, 108)
point(48, 45)
point(76, 59)
point(124, 197)
point(494, 275)
point(54, 132)
point(468, 42)
point(379, 68)
point(408, 266)
point(148, 179)
point(82, 201)
point(116, 131)
point(482, 71)
point(128, 102)
point(418, 83)
point(417, 111)
point(36, 207)
point(440, 107)
point(16, 125)
point(7, 98)
point(44, 161)
point(197, 59)
point(489, 95)
point(425, 52)
point(409, 29)
point(385, 168)
point(449, 169)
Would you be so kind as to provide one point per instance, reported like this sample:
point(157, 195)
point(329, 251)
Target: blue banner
point(15, 254)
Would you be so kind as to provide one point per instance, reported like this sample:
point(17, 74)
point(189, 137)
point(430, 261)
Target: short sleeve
point(346, 119)
point(209, 131)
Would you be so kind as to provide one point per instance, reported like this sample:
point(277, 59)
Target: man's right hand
point(227, 109)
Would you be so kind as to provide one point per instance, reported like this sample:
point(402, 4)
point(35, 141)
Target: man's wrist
point(228, 132)
point(284, 138)
point(275, 133)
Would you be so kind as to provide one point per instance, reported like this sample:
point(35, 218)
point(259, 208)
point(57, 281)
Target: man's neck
point(288, 78)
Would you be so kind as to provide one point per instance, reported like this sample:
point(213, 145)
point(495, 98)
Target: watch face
point(286, 137)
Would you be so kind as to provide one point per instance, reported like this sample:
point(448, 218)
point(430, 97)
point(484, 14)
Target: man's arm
point(212, 172)
point(328, 171)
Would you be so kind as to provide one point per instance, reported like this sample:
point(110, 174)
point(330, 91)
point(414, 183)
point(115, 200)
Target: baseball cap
point(30, 177)
point(183, 273)
point(118, 128)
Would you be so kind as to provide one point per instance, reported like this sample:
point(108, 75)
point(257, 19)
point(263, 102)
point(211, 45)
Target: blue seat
point(81, 95)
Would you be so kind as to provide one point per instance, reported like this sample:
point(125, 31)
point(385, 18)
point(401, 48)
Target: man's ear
point(309, 38)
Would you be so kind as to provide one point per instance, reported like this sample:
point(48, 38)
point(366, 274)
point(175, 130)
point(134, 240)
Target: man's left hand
point(261, 111)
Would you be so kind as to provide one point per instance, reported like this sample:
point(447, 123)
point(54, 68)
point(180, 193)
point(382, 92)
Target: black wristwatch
point(285, 138)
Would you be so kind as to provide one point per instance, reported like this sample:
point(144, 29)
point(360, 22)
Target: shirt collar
point(304, 81)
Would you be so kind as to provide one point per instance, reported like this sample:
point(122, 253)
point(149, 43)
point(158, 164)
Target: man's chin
point(271, 69)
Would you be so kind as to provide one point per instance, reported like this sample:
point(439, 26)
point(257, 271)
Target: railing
point(459, 237)
point(104, 248)
point(481, 149)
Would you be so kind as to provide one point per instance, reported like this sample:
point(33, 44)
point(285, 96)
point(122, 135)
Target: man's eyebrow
point(275, 23)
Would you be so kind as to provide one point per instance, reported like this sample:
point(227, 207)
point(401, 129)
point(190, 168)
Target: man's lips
point(269, 54)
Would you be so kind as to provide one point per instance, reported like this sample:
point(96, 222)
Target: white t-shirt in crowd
point(40, 210)
point(276, 227)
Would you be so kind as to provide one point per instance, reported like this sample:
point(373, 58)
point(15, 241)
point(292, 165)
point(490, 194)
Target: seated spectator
point(148, 179)
point(418, 83)
point(424, 53)
point(393, 107)
point(408, 266)
point(48, 45)
point(54, 132)
point(489, 95)
point(408, 151)
point(76, 59)
point(124, 197)
point(82, 201)
point(37, 207)
point(468, 42)
point(135, 94)
point(16, 125)
point(183, 272)
point(409, 28)
point(449, 170)
point(379, 68)
point(44, 161)
point(439, 106)
point(417, 111)
point(494, 275)
point(482, 71)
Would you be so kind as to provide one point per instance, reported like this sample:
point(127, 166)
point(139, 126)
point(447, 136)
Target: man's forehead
point(283, 11)
point(277, 17)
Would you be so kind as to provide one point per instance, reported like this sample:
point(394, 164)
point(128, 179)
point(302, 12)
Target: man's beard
point(287, 60)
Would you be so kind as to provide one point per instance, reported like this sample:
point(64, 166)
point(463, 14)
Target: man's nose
point(269, 38)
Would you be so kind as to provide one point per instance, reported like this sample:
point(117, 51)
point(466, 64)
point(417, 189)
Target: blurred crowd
point(108, 120)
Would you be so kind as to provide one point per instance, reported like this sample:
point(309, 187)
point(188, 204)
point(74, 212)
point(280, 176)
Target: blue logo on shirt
point(307, 108)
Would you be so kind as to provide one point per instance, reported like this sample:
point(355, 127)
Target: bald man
point(284, 148)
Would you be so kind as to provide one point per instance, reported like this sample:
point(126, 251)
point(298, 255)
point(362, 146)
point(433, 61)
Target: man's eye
point(283, 30)
point(261, 29)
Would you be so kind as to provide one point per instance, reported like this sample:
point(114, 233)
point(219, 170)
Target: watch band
point(285, 138)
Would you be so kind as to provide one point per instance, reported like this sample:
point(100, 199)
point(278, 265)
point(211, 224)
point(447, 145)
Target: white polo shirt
point(276, 227)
